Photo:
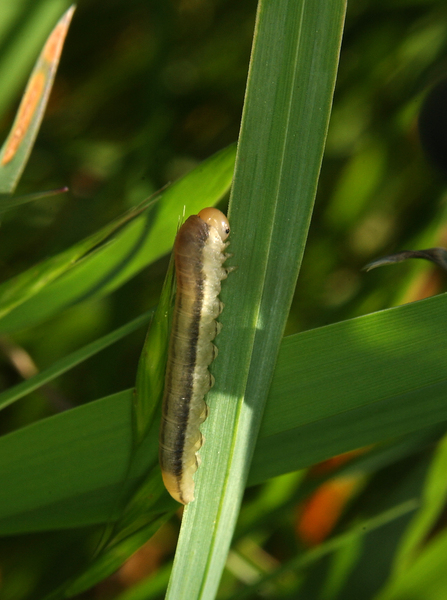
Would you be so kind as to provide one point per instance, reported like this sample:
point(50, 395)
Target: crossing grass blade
point(424, 525)
point(69, 362)
point(51, 286)
point(7, 201)
point(419, 565)
point(73, 454)
point(354, 383)
point(303, 560)
point(82, 455)
point(26, 285)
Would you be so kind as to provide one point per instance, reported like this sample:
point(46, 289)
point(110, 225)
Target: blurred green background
point(145, 91)
point(148, 89)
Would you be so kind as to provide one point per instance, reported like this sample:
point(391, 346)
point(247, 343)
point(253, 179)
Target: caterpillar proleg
point(199, 255)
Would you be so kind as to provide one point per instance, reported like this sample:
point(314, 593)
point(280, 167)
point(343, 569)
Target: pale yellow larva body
point(199, 255)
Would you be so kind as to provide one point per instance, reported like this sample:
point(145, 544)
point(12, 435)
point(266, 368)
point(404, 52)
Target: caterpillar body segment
point(199, 254)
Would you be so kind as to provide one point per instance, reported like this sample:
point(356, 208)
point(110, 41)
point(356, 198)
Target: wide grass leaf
point(354, 383)
point(73, 454)
point(83, 455)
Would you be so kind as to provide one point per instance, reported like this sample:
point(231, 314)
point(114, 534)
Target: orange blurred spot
point(320, 513)
point(53, 46)
point(336, 461)
point(143, 563)
point(427, 284)
point(26, 112)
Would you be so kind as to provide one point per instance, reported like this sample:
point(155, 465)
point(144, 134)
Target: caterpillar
point(198, 255)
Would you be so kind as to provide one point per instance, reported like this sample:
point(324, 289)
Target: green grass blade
point(423, 526)
point(115, 557)
point(427, 577)
point(145, 509)
point(311, 556)
point(82, 455)
point(141, 512)
point(146, 239)
point(68, 362)
point(23, 31)
point(285, 119)
point(26, 285)
point(18, 145)
point(152, 364)
point(354, 383)
point(7, 201)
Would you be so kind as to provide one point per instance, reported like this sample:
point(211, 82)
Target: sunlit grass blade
point(354, 383)
point(146, 239)
point(17, 147)
point(286, 113)
point(19, 289)
point(69, 362)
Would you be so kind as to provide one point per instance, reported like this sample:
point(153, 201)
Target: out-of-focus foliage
point(377, 194)
point(145, 91)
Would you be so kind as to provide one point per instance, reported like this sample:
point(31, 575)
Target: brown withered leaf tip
point(435, 255)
